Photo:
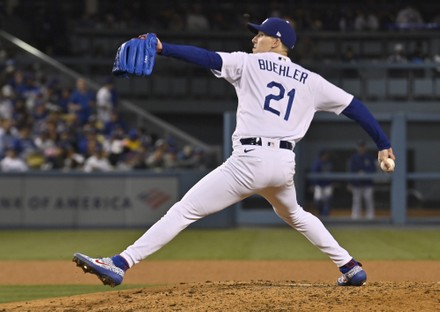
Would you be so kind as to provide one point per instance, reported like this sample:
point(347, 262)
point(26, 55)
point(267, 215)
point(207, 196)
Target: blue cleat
point(356, 276)
point(103, 268)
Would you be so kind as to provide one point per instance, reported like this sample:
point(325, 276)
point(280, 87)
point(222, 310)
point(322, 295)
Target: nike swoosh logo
point(249, 150)
point(100, 262)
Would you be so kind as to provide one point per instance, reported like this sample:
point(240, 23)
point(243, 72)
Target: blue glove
point(136, 57)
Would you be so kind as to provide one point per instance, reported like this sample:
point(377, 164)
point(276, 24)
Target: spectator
point(146, 139)
point(21, 115)
point(72, 160)
point(8, 135)
point(7, 102)
point(82, 101)
point(25, 143)
point(362, 162)
point(39, 114)
point(398, 55)
point(436, 61)
point(115, 122)
point(347, 22)
point(19, 83)
point(140, 158)
point(158, 158)
point(54, 158)
point(373, 22)
point(52, 91)
point(126, 150)
point(12, 163)
point(366, 21)
point(360, 21)
point(88, 141)
point(67, 137)
point(196, 20)
point(71, 125)
point(45, 143)
point(106, 100)
point(417, 55)
point(132, 142)
point(322, 188)
point(98, 162)
point(409, 17)
point(63, 100)
point(349, 55)
point(115, 146)
point(186, 157)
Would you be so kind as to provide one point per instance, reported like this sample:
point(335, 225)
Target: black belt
point(257, 141)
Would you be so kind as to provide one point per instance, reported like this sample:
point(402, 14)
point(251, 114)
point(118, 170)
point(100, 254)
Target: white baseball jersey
point(276, 97)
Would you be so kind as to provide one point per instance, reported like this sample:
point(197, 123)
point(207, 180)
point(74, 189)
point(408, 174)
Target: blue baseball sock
point(348, 266)
point(120, 262)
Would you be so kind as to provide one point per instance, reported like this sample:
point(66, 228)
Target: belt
point(258, 141)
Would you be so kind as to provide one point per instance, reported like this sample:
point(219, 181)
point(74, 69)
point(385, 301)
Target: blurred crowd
point(47, 126)
point(48, 24)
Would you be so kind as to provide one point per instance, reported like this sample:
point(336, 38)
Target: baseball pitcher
point(277, 100)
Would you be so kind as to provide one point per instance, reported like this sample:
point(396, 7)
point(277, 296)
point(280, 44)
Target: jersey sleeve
point(330, 98)
point(232, 66)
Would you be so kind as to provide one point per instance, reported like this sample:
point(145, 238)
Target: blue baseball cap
point(278, 28)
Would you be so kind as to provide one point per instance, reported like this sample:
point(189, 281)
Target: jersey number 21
point(278, 97)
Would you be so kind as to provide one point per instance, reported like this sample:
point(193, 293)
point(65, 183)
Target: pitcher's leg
point(286, 207)
point(213, 193)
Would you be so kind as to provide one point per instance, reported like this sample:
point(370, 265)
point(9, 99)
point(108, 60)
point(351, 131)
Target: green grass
point(192, 244)
point(235, 244)
point(25, 293)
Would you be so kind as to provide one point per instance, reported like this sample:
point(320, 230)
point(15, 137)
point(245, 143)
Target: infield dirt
point(236, 286)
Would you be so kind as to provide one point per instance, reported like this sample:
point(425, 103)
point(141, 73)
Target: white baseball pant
point(265, 170)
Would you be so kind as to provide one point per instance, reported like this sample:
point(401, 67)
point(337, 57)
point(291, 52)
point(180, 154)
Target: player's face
point(262, 43)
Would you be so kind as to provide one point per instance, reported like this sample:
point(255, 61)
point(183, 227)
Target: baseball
point(391, 165)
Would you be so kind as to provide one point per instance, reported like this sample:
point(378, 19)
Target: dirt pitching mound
point(235, 286)
point(251, 296)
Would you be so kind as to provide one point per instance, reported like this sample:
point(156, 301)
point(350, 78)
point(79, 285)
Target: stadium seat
point(398, 88)
point(376, 89)
point(353, 86)
point(423, 88)
point(372, 49)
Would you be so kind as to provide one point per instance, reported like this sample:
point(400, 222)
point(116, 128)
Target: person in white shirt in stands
point(98, 161)
point(409, 17)
point(105, 101)
point(12, 163)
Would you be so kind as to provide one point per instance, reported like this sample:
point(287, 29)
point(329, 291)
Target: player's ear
point(279, 44)
point(276, 42)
